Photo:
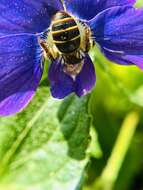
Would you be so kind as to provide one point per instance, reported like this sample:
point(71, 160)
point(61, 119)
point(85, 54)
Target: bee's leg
point(90, 42)
point(46, 49)
point(49, 52)
point(88, 39)
point(43, 41)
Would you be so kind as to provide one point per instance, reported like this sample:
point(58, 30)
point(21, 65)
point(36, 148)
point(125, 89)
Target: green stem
point(110, 173)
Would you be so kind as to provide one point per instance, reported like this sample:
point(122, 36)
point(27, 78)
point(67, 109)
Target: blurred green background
point(89, 143)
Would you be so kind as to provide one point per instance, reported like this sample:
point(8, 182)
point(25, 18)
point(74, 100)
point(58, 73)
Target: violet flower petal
point(85, 80)
point(87, 9)
point(61, 83)
point(119, 32)
point(26, 16)
point(20, 71)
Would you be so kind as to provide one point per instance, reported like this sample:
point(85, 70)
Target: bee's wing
point(61, 83)
point(20, 71)
point(85, 80)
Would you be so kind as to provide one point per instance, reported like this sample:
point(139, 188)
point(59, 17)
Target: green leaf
point(43, 148)
point(75, 125)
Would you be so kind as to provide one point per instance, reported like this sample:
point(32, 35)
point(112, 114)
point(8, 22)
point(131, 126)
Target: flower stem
point(110, 173)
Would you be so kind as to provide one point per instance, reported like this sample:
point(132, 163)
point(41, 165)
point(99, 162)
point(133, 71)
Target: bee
point(69, 40)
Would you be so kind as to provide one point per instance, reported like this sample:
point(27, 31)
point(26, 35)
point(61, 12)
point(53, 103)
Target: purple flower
point(115, 25)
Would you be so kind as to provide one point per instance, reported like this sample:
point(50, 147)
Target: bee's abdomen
point(65, 32)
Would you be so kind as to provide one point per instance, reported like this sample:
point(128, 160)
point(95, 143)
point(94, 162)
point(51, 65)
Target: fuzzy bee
point(69, 40)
